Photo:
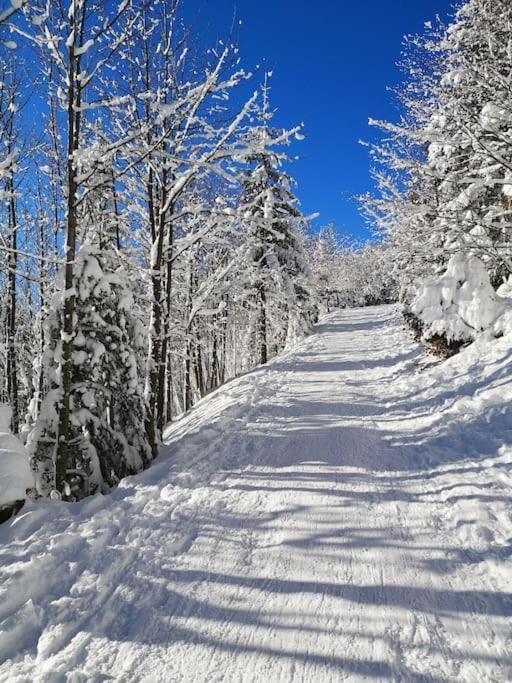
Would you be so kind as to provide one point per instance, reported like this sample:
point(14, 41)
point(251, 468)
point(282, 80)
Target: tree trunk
point(199, 372)
point(12, 372)
point(166, 378)
point(215, 371)
point(156, 321)
point(262, 324)
point(188, 373)
point(63, 460)
point(188, 345)
point(166, 322)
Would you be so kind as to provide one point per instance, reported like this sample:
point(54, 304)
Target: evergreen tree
point(107, 407)
point(276, 268)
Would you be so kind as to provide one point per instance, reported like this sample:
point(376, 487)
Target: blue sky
point(332, 61)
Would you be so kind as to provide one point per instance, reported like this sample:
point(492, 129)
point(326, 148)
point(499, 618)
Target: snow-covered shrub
point(459, 304)
point(15, 475)
point(107, 406)
point(5, 417)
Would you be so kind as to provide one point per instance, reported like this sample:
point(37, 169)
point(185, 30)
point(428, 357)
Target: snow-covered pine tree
point(107, 407)
point(275, 263)
point(78, 45)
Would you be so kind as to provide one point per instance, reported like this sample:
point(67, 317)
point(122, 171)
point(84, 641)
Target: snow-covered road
point(341, 514)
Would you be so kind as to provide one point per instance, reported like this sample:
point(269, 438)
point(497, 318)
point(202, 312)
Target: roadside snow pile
point(461, 304)
point(15, 474)
point(5, 417)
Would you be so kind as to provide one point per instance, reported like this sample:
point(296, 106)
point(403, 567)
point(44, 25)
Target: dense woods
point(152, 245)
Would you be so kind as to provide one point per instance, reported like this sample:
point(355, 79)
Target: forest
point(152, 244)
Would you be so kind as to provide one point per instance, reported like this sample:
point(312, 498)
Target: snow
point(459, 304)
point(78, 51)
point(5, 417)
point(15, 474)
point(340, 513)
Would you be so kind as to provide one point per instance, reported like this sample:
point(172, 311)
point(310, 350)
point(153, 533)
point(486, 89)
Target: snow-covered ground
point(343, 513)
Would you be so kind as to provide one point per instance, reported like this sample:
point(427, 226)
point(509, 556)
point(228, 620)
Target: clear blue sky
point(332, 61)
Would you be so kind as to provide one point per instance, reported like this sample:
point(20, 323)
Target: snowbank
point(5, 417)
point(461, 303)
point(15, 474)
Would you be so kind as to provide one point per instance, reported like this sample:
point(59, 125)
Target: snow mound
point(15, 474)
point(460, 304)
point(5, 417)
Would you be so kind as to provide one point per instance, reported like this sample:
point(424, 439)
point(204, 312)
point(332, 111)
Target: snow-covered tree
point(107, 406)
point(77, 47)
point(183, 127)
point(155, 216)
point(276, 267)
point(446, 168)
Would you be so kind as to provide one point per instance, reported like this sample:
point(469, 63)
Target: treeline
point(151, 244)
point(444, 175)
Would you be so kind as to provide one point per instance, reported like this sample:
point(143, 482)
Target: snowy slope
point(340, 514)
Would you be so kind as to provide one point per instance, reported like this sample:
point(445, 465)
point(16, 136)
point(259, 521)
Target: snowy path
point(351, 520)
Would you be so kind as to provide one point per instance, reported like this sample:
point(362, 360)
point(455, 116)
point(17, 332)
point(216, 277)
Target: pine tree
point(276, 268)
point(107, 407)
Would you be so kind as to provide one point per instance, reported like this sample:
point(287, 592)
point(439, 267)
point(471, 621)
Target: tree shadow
point(183, 618)
point(329, 366)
